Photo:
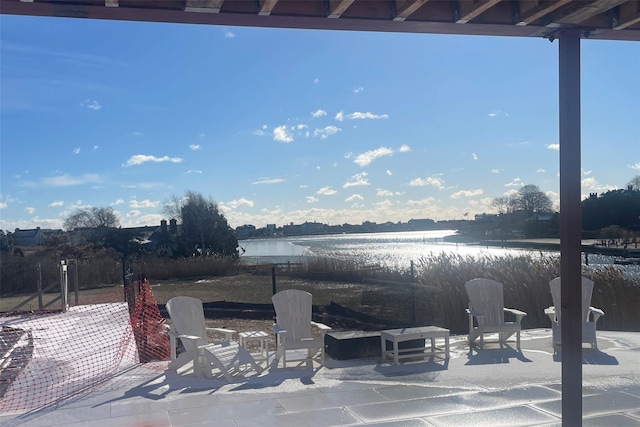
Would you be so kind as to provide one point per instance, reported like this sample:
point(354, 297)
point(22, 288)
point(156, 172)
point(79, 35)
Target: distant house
point(33, 237)
point(163, 239)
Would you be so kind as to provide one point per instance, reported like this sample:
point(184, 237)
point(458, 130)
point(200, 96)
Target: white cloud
point(383, 193)
point(93, 105)
point(326, 132)
point(259, 132)
point(139, 159)
point(68, 180)
point(360, 116)
point(140, 204)
point(240, 202)
point(358, 89)
point(584, 172)
point(541, 170)
point(190, 171)
point(326, 191)
point(357, 180)
point(318, 113)
point(312, 199)
point(635, 166)
point(404, 148)
point(201, 135)
point(591, 184)
point(76, 150)
point(389, 173)
point(95, 147)
point(466, 193)
point(497, 113)
point(316, 81)
point(30, 210)
point(554, 147)
point(301, 126)
point(133, 213)
point(474, 155)
point(517, 182)
point(353, 198)
point(268, 181)
point(435, 182)
point(348, 155)
point(229, 35)
point(495, 170)
point(138, 134)
point(195, 147)
point(3, 205)
point(282, 134)
point(56, 204)
point(117, 202)
point(367, 157)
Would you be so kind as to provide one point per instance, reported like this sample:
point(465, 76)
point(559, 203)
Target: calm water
point(395, 250)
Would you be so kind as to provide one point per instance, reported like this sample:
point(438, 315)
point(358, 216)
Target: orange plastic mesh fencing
point(149, 328)
point(47, 357)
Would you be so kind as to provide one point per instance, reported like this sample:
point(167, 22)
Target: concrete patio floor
point(494, 386)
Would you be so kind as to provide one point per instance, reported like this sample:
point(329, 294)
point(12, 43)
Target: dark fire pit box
point(360, 344)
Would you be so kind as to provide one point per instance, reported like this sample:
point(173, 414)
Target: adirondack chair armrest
point(322, 327)
point(519, 314)
point(228, 333)
point(182, 336)
point(278, 329)
point(473, 313)
point(596, 312)
point(551, 312)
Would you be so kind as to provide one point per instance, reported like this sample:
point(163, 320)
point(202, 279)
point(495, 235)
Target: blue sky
point(281, 126)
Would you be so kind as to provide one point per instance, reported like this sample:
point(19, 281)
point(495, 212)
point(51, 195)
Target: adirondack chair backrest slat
point(293, 313)
point(187, 317)
point(486, 297)
point(587, 291)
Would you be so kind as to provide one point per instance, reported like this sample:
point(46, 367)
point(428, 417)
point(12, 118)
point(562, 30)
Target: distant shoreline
point(588, 246)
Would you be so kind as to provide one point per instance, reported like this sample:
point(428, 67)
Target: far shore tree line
point(204, 231)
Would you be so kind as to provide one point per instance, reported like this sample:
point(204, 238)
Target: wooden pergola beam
point(339, 7)
point(543, 8)
point(203, 6)
point(111, 3)
point(629, 15)
point(581, 11)
point(470, 10)
point(409, 9)
point(267, 7)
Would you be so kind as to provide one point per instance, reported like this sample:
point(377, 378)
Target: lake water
point(395, 250)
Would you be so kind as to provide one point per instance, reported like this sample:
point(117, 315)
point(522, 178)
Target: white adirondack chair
point(293, 327)
point(187, 323)
point(486, 305)
point(590, 315)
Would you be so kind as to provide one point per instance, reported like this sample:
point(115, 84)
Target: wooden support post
point(570, 227)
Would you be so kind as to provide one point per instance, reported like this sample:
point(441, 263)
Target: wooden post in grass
point(273, 280)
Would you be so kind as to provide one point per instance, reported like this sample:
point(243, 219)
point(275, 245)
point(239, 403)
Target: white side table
point(262, 337)
point(428, 333)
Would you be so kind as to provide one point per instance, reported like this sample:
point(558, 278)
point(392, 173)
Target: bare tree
point(172, 208)
point(94, 217)
point(634, 183)
point(505, 204)
point(96, 221)
point(531, 199)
